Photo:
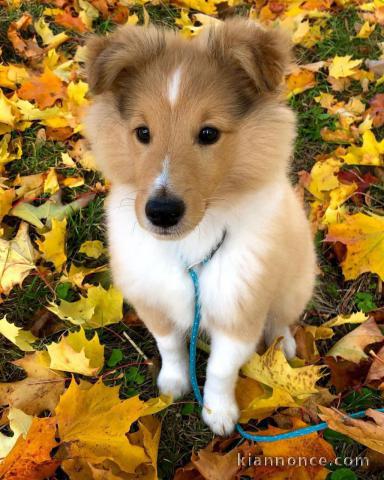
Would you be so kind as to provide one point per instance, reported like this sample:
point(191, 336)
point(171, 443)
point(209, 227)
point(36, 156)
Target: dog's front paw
point(221, 417)
point(289, 344)
point(173, 381)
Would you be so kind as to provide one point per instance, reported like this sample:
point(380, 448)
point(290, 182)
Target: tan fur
point(230, 78)
point(132, 67)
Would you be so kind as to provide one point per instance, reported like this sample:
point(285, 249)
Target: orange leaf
point(30, 458)
point(44, 89)
point(65, 19)
point(29, 48)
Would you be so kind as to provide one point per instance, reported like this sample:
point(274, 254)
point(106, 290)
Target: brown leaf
point(65, 19)
point(346, 374)
point(370, 434)
point(376, 372)
point(30, 458)
point(59, 134)
point(376, 110)
point(44, 89)
point(352, 346)
point(28, 49)
point(40, 391)
point(306, 347)
point(215, 466)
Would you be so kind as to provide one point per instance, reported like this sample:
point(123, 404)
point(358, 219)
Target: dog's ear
point(262, 54)
point(127, 49)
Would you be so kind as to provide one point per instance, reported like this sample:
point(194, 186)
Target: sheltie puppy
point(196, 141)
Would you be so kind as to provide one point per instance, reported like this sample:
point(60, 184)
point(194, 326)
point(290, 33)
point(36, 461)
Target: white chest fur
point(154, 271)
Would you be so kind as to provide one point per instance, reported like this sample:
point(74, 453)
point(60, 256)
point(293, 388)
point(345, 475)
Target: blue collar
point(210, 254)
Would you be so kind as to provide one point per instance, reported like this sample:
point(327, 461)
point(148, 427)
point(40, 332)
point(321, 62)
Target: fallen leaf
point(53, 245)
point(17, 259)
point(358, 317)
point(342, 67)
point(6, 198)
point(345, 374)
point(370, 153)
point(366, 30)
point(38, 392)
point(51, 184)
point(76, 354)
point(376, 110)
point(44, 89)
point(368, 433)
point(289, 385)
point(19, 423)
point(299, 81)
point(351, 346)
point(28, 49)
point(309, 446)
point(376, 372)
point(65, 19)
point(93, 423)
point(92, 248)
point(30, 458)
point(21, 338)
point(363, 236)
point(101, 307)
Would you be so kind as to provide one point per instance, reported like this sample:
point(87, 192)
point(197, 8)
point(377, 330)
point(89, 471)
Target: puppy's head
point(187, 124)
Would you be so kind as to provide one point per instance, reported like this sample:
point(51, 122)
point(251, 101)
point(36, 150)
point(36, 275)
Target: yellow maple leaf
point(299, 81)
point(48, 37)
point(258, 402)
point(76, 274)
point(370, 153)
point(351, 346)
point(53, 245)
point(9, 150)
point(76, 92)
point(324, 177)
point(7, 114)
point(358, 317)
point(366, 30)
point(76, 354)
point(207, 7)
point(92, 248)
point(93, 423)
point(17, 259)
point(101, 307)
point(6, 198)
point(51, 184)
point(282, 384)
point(364, 237)
point(12, 75)
point(342, 67)
point(21, 338)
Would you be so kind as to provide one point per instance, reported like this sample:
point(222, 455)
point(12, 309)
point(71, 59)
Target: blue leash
point(192, 370)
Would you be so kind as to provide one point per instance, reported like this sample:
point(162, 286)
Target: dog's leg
point(275, 329)
point(173, 378)
point(228, 354)
point(174, 374)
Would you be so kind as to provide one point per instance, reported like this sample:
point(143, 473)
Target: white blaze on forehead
point(163, 179)
point(174, 86)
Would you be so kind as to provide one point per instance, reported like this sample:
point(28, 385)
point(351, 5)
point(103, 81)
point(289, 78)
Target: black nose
point(164, 211)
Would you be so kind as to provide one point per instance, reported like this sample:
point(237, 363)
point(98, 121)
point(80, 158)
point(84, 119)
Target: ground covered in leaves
point(77, 369)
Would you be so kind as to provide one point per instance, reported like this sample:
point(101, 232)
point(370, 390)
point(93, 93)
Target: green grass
point(183, 430)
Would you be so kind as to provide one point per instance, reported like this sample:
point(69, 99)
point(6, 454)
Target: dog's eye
point(143, 134)
point(208, 135)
